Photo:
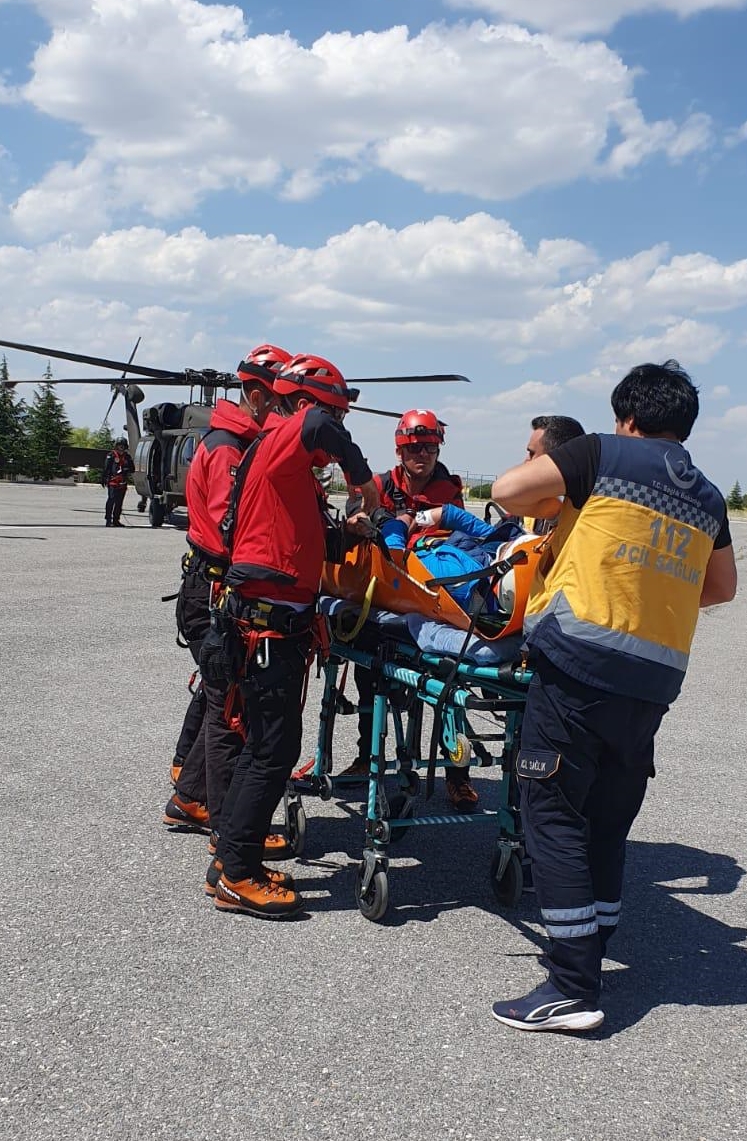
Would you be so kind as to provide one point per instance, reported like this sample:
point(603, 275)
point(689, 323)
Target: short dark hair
point(659, 398)
point(290, 401)
point(558, 430)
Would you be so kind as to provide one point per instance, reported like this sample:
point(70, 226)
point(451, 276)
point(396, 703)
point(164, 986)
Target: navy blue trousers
point(585, 760)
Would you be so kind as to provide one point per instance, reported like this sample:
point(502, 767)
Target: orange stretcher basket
point(397, 582)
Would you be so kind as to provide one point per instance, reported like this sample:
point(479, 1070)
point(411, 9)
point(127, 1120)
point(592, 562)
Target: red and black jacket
point(397, 498)
point(279, 535)
point(117, 467)
point(211, 475)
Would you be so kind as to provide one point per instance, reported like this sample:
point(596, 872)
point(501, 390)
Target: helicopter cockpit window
point(188, 450)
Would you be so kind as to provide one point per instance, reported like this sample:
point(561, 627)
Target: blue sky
point(540, 195)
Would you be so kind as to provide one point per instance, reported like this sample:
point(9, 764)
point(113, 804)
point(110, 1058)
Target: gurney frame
point(406, 681)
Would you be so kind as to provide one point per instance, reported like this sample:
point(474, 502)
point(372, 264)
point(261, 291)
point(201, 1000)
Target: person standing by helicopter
point(272, 586)
point(118, 466)
point(202, 776)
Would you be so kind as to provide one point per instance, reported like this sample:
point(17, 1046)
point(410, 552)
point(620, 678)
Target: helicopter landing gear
point(156, 513)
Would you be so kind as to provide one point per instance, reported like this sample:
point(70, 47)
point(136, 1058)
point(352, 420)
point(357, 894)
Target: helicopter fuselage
point(164, 452)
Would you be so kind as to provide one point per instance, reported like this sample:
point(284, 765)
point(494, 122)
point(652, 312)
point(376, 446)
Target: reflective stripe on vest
point(614, 640)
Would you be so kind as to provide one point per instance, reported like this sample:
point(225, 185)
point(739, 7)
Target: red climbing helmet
point(419, 426)
point(316, 377)
point(262, 364)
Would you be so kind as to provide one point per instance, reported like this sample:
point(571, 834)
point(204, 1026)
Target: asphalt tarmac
point(132, 1009)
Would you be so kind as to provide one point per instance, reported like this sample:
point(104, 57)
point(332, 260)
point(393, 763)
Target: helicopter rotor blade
point(172, 381)
point(376, 412)
point(438, 378)
point(118, 389)
point(99, 362)
point(115, 394)
point(170, 377)
point(132, 357)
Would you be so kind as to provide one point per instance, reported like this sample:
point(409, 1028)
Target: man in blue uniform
point(642, 542)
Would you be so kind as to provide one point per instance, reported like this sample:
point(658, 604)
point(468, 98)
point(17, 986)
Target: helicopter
point(163, 448)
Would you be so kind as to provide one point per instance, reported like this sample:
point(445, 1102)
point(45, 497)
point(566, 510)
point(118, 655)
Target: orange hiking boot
point(215, 871)
point(176, 768)
point(213, 843)
point(189, 814)
point(257, 896)
point(277, 847)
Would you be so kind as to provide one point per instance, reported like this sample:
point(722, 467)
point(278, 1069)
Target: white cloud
point(596, 381)
point(445, 282)
point(527, 396)
point(737, 136)
point(647, 290)
point(733, 420)
point(178, 101)
point(583, 17)
point(688, 340)
point(642, 139)
point(720, 391)
point(467, 296)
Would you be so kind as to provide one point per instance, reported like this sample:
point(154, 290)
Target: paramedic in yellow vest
point(642, 542)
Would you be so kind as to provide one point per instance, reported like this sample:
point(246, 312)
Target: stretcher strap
point(492, 570)
point(438, 720)
point(319, 642)
point(233, 710)
point(362, 617)
point(320, 628)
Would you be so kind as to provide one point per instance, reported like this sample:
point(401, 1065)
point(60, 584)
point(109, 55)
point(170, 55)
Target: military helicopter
point(163, 449)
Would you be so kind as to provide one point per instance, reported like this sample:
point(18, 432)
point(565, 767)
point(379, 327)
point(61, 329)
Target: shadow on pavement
point(669, 951)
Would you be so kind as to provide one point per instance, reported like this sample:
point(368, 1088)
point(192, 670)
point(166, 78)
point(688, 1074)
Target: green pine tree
point(734, 500)
point(13, 450)
point(48, 430)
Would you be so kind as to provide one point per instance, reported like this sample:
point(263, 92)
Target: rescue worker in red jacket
point(203, 776)
point(418, 482)
point(276, 564)
point(118, 467)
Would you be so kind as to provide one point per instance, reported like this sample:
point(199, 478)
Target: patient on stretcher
point(470, 544)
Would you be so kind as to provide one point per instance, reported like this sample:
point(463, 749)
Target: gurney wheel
point(508, 888)
point(462, 754)
point(374, 903)
point(400, 806)
point(296, 824)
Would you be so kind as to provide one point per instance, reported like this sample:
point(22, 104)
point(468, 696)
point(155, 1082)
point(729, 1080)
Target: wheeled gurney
point(444, 688)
